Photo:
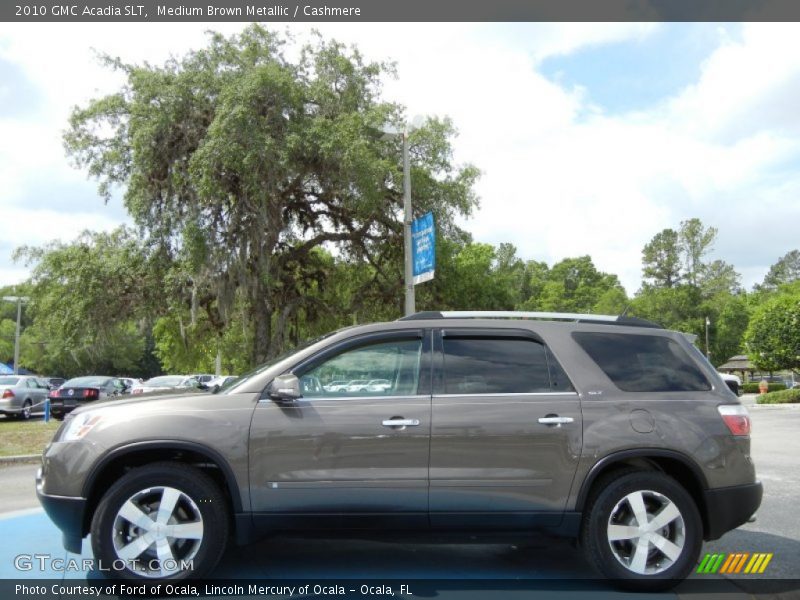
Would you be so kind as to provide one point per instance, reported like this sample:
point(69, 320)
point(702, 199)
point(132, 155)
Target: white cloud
point(559, 179)
point(32, 226)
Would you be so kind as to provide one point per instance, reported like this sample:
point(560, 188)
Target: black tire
point(200, 501)
point(608, 508)
point(25, 412)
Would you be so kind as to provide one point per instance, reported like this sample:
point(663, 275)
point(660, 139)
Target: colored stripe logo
point(734, 563)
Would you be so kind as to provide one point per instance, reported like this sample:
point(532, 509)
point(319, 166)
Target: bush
point(781, 397)
point(752, 388)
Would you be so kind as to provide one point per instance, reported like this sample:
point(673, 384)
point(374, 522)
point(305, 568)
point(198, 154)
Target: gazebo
point(739, 363)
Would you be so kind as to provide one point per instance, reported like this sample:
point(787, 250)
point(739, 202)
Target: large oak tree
point(240, 162)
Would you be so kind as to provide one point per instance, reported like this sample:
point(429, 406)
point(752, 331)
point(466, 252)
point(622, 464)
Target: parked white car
point(733, 382)
point(379, 385)
point(358, 385)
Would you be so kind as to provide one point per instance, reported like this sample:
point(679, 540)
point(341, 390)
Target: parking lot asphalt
point(776, 446)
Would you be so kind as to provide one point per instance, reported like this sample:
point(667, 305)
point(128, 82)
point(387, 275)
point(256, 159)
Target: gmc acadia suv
point(608, 429)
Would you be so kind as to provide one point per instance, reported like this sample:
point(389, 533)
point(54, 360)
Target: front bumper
point(66, 512)
point(729, 507)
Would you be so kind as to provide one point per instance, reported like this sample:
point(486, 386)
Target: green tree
point(696, 241)
point(472, 276)
point(574, 285)
point(677, 308)
point(88, 303)
point(729, 327)
point(773, 336)
point(8, 330)
point(661, 260)
point(718, 277)
point(786, 270)
point(240, 163)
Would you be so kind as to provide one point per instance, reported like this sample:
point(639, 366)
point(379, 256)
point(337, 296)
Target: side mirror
point(285, 387)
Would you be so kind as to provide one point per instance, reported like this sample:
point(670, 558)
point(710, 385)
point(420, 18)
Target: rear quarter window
point(643, 363)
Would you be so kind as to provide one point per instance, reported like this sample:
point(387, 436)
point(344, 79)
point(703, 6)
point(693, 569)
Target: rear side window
point(643, 363)
point(485, 365)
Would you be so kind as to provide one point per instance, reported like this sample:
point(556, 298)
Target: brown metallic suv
point(608, 429)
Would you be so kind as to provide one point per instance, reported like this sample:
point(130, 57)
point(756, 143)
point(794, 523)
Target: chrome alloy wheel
point(646, 532)
point(157, 531)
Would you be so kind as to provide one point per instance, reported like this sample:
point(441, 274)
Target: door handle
point(555, 420)
point(400, 422)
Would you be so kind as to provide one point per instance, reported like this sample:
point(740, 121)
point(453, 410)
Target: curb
point(20, 459)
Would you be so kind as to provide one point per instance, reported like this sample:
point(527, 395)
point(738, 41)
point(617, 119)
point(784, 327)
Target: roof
point(549, 316)
point(740, 362)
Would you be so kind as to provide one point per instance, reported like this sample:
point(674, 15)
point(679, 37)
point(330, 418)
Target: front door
point(354, 450)
point(506, 431)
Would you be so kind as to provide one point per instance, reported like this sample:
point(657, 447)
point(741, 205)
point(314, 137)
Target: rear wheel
point(25, 412)
point(161, 521)
point(643, 530)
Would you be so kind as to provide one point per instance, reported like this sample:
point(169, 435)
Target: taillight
point(55, 393)
point(91, 393)
point(8, 394)
point(736, 418)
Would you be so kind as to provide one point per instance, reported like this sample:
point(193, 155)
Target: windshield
point(86, 382)
point(261, 368)
point(9, 380)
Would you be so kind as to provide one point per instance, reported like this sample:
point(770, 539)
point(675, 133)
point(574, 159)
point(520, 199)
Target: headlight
point(79, 426)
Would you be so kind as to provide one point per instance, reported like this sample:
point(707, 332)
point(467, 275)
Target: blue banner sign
point(423, 248)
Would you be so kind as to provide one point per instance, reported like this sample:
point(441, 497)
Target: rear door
point(505, 431)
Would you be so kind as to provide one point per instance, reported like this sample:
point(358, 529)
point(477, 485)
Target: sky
point(591, 138)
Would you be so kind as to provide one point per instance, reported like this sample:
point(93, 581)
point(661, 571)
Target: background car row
point(24, 395)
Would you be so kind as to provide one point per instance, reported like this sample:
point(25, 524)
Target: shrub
point(752, 388)
point(780, 397)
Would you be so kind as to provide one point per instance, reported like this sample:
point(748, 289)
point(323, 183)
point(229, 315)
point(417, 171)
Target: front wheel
point(161, 521)
point(642, 530)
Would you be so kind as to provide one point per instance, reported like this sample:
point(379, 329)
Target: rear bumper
point(58, 409)
point(729, 507)
point(67, 514)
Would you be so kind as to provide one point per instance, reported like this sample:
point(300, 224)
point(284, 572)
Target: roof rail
point(513, 314)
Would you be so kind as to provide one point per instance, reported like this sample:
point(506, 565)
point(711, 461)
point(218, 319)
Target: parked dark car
point(54, 382)
point(81, 390)
point(219, 383)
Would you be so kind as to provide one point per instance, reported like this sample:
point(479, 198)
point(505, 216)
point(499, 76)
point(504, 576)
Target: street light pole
point(708, 352)
point(409, 277)
point(16, 337)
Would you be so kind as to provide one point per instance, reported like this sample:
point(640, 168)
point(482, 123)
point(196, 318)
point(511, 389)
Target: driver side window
point(379, 369)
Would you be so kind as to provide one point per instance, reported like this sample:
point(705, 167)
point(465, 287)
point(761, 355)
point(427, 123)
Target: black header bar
point(318, 11)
